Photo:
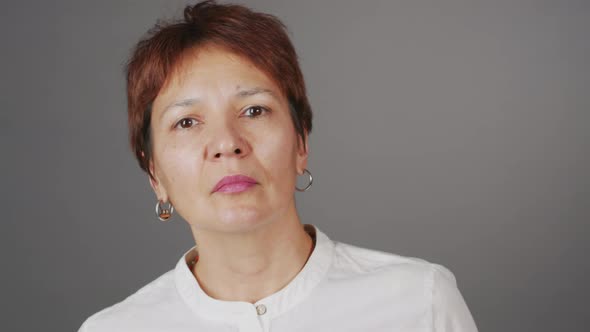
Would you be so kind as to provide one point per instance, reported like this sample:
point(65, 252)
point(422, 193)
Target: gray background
point(454, 131)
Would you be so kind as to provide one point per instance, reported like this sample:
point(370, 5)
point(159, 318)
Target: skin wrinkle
point(242, 94)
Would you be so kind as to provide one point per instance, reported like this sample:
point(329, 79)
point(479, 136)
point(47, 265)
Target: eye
point(255, 111)
point(186, 123)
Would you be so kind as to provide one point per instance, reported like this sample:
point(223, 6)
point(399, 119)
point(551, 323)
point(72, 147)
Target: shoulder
point(142, 307)
point(351, 259)
point(388, 274)
point(408, 284)
point(448, 307)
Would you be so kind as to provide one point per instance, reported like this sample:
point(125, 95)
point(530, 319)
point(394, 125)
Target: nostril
point(236, 151)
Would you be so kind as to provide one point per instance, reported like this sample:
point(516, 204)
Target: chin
point(241, 218)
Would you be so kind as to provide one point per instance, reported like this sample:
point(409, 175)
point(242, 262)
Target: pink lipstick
point(234, 184)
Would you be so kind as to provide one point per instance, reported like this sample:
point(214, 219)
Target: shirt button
point(261, 309)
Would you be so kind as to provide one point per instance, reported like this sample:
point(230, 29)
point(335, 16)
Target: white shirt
point(341, 288)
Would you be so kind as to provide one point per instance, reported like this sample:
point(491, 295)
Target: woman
point(219, 120)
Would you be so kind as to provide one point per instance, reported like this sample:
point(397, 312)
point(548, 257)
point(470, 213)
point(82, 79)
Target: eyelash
point(263, 109)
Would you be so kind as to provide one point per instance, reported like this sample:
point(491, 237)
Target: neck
point(252, 265)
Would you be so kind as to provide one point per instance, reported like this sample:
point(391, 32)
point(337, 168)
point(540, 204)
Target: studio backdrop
point(454, 131)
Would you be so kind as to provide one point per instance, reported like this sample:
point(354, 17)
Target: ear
point(302, 154)
point(156, 185)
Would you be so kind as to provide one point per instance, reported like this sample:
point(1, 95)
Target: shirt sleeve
point(449, 310)
point(83, 328)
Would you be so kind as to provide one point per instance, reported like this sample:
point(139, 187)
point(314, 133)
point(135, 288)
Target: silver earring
point(164, 214)
point(310, 181)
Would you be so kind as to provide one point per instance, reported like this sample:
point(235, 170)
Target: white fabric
point(341, 288)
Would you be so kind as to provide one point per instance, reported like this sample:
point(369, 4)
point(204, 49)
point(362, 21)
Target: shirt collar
point(277, 303)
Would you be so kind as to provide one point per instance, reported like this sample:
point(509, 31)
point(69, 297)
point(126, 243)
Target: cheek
point(277, 153)
point(180, 165)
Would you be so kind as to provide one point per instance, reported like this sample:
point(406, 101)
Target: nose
point(227, 142)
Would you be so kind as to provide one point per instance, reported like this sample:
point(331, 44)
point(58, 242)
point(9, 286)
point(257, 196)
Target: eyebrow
point(240, 94)
point(255, 91)
point(181, 103)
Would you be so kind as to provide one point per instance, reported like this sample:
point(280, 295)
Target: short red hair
point(260, 38)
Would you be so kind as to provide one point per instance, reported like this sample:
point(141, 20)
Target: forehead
point(213, 65)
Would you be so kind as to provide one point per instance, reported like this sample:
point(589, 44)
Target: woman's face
point(220, 116)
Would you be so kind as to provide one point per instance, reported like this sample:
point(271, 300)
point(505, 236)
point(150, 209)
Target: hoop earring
point(164, 214)
point(310, 181)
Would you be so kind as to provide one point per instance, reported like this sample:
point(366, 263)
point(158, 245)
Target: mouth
point(234, 184)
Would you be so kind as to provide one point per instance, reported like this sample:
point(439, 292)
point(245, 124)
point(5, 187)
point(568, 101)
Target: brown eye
point(255, 111)
point(186, 123)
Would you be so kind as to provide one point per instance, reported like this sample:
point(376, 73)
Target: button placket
point(249, 323)
point(263, 318)
point(260, 309)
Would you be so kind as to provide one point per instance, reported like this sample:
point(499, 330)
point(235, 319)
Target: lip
point(234, 184)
